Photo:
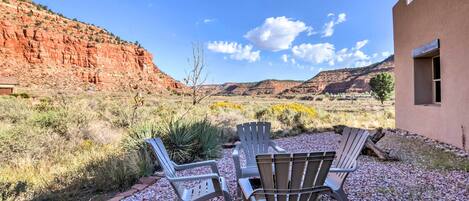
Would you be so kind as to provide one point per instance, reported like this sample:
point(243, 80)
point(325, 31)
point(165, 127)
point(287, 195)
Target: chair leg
point(227, 196)
point(340, 195)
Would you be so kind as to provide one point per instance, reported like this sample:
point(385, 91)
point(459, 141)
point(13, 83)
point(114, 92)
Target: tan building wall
point(417, 24)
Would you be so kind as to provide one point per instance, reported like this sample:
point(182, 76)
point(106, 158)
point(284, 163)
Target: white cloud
point(310, 31)
point(277, 33)
point(328, 29)
point(386, 54)
point(342, 18)
point(293, 61)
point(284, 58)
point(322, 53)
point(361, 44)
point(315, 53)
point(329, 26)
point(234, 50)
point(206, 21)
point(363, 63)
point(360, 55)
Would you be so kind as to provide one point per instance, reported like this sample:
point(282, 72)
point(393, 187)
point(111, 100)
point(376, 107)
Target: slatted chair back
point(255, 139)
point(165, 162)
point(351, 145)
point(297, 176)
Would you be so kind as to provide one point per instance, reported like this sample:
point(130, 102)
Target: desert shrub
point(294, 117)
point(11, 191)
point(225, 105)
point(13, 110)
point(208, 139)
point(55, 120)
point(120, 116)
point(185, 139)
point(21, 95)
point(45, 104)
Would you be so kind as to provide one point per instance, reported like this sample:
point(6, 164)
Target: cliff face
point(271, 87)
point(265, 87)
point(45, 50)
point(346, 80)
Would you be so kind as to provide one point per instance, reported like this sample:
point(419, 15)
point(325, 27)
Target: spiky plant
point(208, 138)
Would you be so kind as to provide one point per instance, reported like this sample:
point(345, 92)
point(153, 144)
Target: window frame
point(434, 81)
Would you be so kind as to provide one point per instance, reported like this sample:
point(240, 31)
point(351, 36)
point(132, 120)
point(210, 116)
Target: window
point(436, 80)
point(427, 74)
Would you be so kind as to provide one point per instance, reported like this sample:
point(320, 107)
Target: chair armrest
point(276, 148)
point(196, 177)
point(211, 163)
point(338, 170)
point(237, 162)
point(246, 188)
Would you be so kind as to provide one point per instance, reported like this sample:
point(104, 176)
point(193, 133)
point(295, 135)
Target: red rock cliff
point(45, 50)
point(347, 80)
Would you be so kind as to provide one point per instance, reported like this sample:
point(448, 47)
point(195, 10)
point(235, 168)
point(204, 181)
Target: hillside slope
point(43, 49)
point(347, 80)
point(265, 87)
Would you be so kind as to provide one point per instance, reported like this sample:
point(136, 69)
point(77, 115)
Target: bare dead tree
point(196, 77)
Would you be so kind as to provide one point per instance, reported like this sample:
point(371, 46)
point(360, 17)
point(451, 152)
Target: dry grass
point(56, 146)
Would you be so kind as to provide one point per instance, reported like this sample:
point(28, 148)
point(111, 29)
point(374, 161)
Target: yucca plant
point(179, 140)
point(208, 139)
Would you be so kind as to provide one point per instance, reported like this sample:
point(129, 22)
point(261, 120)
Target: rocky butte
point(43, 49)
point(265, 87)
point(346, 80)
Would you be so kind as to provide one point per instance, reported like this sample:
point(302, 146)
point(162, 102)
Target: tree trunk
point(370, 148)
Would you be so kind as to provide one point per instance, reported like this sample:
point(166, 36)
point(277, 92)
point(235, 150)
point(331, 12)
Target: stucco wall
point(419, 23)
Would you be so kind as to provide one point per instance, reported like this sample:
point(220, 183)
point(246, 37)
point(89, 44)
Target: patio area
point(374, 179)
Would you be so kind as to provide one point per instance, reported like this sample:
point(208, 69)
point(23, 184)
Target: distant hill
point(265, 87)
point(346, 80)
point(44, 49)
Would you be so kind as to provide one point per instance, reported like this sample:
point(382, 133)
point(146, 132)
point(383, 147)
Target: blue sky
point(247, 40)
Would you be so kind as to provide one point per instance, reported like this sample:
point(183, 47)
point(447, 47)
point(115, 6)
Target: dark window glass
point(438, 91)
point(436, 68)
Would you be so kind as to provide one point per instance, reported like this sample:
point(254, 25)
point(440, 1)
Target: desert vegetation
point(63, 146)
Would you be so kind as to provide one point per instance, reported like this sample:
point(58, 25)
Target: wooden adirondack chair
point(298, 176)
point(351, 145)
point(255, 139)
point(211, 185)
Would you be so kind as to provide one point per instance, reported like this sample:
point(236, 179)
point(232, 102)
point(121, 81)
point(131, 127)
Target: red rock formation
point(42, 49)
point(265, 87)
point(345, 80)
point(271, 87)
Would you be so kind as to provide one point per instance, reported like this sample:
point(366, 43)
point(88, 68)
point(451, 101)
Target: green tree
point(382, 86)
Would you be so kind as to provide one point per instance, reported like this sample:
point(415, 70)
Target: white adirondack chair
point(255, 139)
point(211, 185)
point(351, 145)
point(298, 176)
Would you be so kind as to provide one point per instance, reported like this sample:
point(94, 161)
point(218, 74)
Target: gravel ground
point(374, 180)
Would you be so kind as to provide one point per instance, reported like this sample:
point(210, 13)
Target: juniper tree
point(382, 86)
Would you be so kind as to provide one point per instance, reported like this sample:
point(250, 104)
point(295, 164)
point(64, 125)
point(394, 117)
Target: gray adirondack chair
point(351, 145)
point(255, 139)
point(298, 176)
point(210, 186)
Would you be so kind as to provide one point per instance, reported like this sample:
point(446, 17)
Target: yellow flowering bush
point(294, 107)
point(294, 117)
point(223, 105)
